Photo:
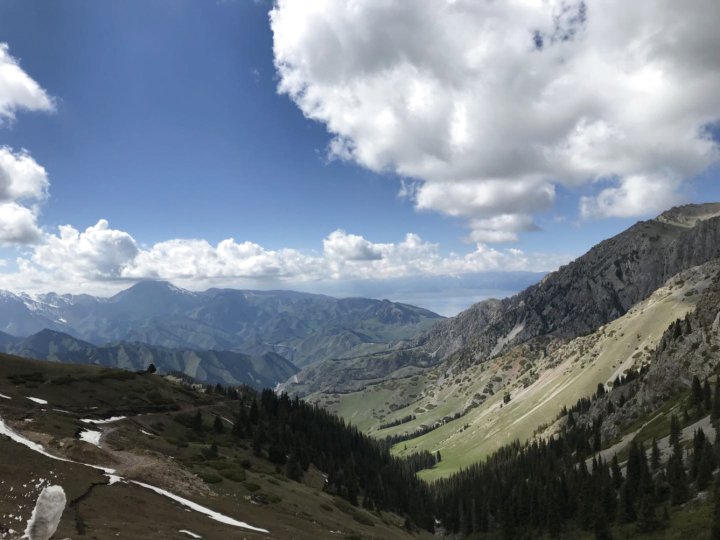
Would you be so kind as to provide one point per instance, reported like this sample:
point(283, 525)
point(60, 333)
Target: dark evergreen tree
point(218, 425)
point(715, 412)
point(707, 396)
point(677, 478)
point(696, 395)
point(655, 455)
point(647, 517)
point(197, 423)
point(674, 430)
point(715, 530)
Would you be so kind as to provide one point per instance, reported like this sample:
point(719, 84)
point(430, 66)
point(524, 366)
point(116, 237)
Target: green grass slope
point(153, 445)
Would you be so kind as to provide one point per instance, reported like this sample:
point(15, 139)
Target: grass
point(581, 365)
point(236, 483)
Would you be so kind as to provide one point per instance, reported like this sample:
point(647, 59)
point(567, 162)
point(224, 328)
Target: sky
point(431, 151)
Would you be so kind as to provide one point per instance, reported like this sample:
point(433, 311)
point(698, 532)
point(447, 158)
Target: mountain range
point(583, 404)
point(301, 327)
point(215, 367)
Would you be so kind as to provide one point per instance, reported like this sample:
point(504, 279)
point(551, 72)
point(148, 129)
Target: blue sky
point(167, 122)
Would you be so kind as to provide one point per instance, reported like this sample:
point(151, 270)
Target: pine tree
point(715, 413)
point(715, 531)
point(617, 475)
point(293, 470)
point(647, 518)
point(197, 424)
point(696, 397)
point(626, 508)
point(679, 490)
point(655, 455)
point(600, 524)
point(706, 465)
point(218, 425)
point(707, 396)
point(674, 431)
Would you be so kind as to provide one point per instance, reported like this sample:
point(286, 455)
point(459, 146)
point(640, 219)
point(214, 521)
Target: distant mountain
point(301, 327)
point(225, 367)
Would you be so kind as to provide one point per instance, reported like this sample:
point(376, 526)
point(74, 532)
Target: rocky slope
point(593, 290)
point(596, 288)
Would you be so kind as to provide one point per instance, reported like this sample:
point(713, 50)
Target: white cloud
point(490, 105)
point(23, 185)
point(631, 196)
point(18, 90)
point(18, 224)
point(104, 259)
point(340, 245)
point(98, 253)
point(21, 177)
point(23, 182)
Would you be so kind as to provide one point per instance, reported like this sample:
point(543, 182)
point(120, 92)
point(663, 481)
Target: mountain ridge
point(303, 327)
point(209, 366)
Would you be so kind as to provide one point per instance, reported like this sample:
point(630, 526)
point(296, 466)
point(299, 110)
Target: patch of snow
point(201, 509)
point(106, 421)
point(146, 433)
point(15, 436)
point(110, 473)
point(190, 534)
point(47, 513)
point(4, 396)
point(90, 436)
point(38, 400)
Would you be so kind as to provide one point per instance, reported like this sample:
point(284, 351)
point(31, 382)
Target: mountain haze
point(224, 367)
point(299, 326)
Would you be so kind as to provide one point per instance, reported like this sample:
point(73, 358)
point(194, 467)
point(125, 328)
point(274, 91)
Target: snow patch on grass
point(201, 509)
point(105, 421)
point(91, 436)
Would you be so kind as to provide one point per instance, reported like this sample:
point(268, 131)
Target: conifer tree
point(218, 425)
point(617, 475)
point(647, 518)
point(715, 413)
point(197, 423)
point(679, 490)
point(655, 455)
point(626, 508)
point(674, 430)
point(600, 524)
point(707, 396)
point(715, 531)
point(696, 397)
point(706, 465)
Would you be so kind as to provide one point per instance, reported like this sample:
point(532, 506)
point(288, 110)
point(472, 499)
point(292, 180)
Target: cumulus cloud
point(340, 245)
point(18, 90)
point(97, 253)
point(490, 105)
point(23, 186)
point(23, 182)
point(104, 259)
